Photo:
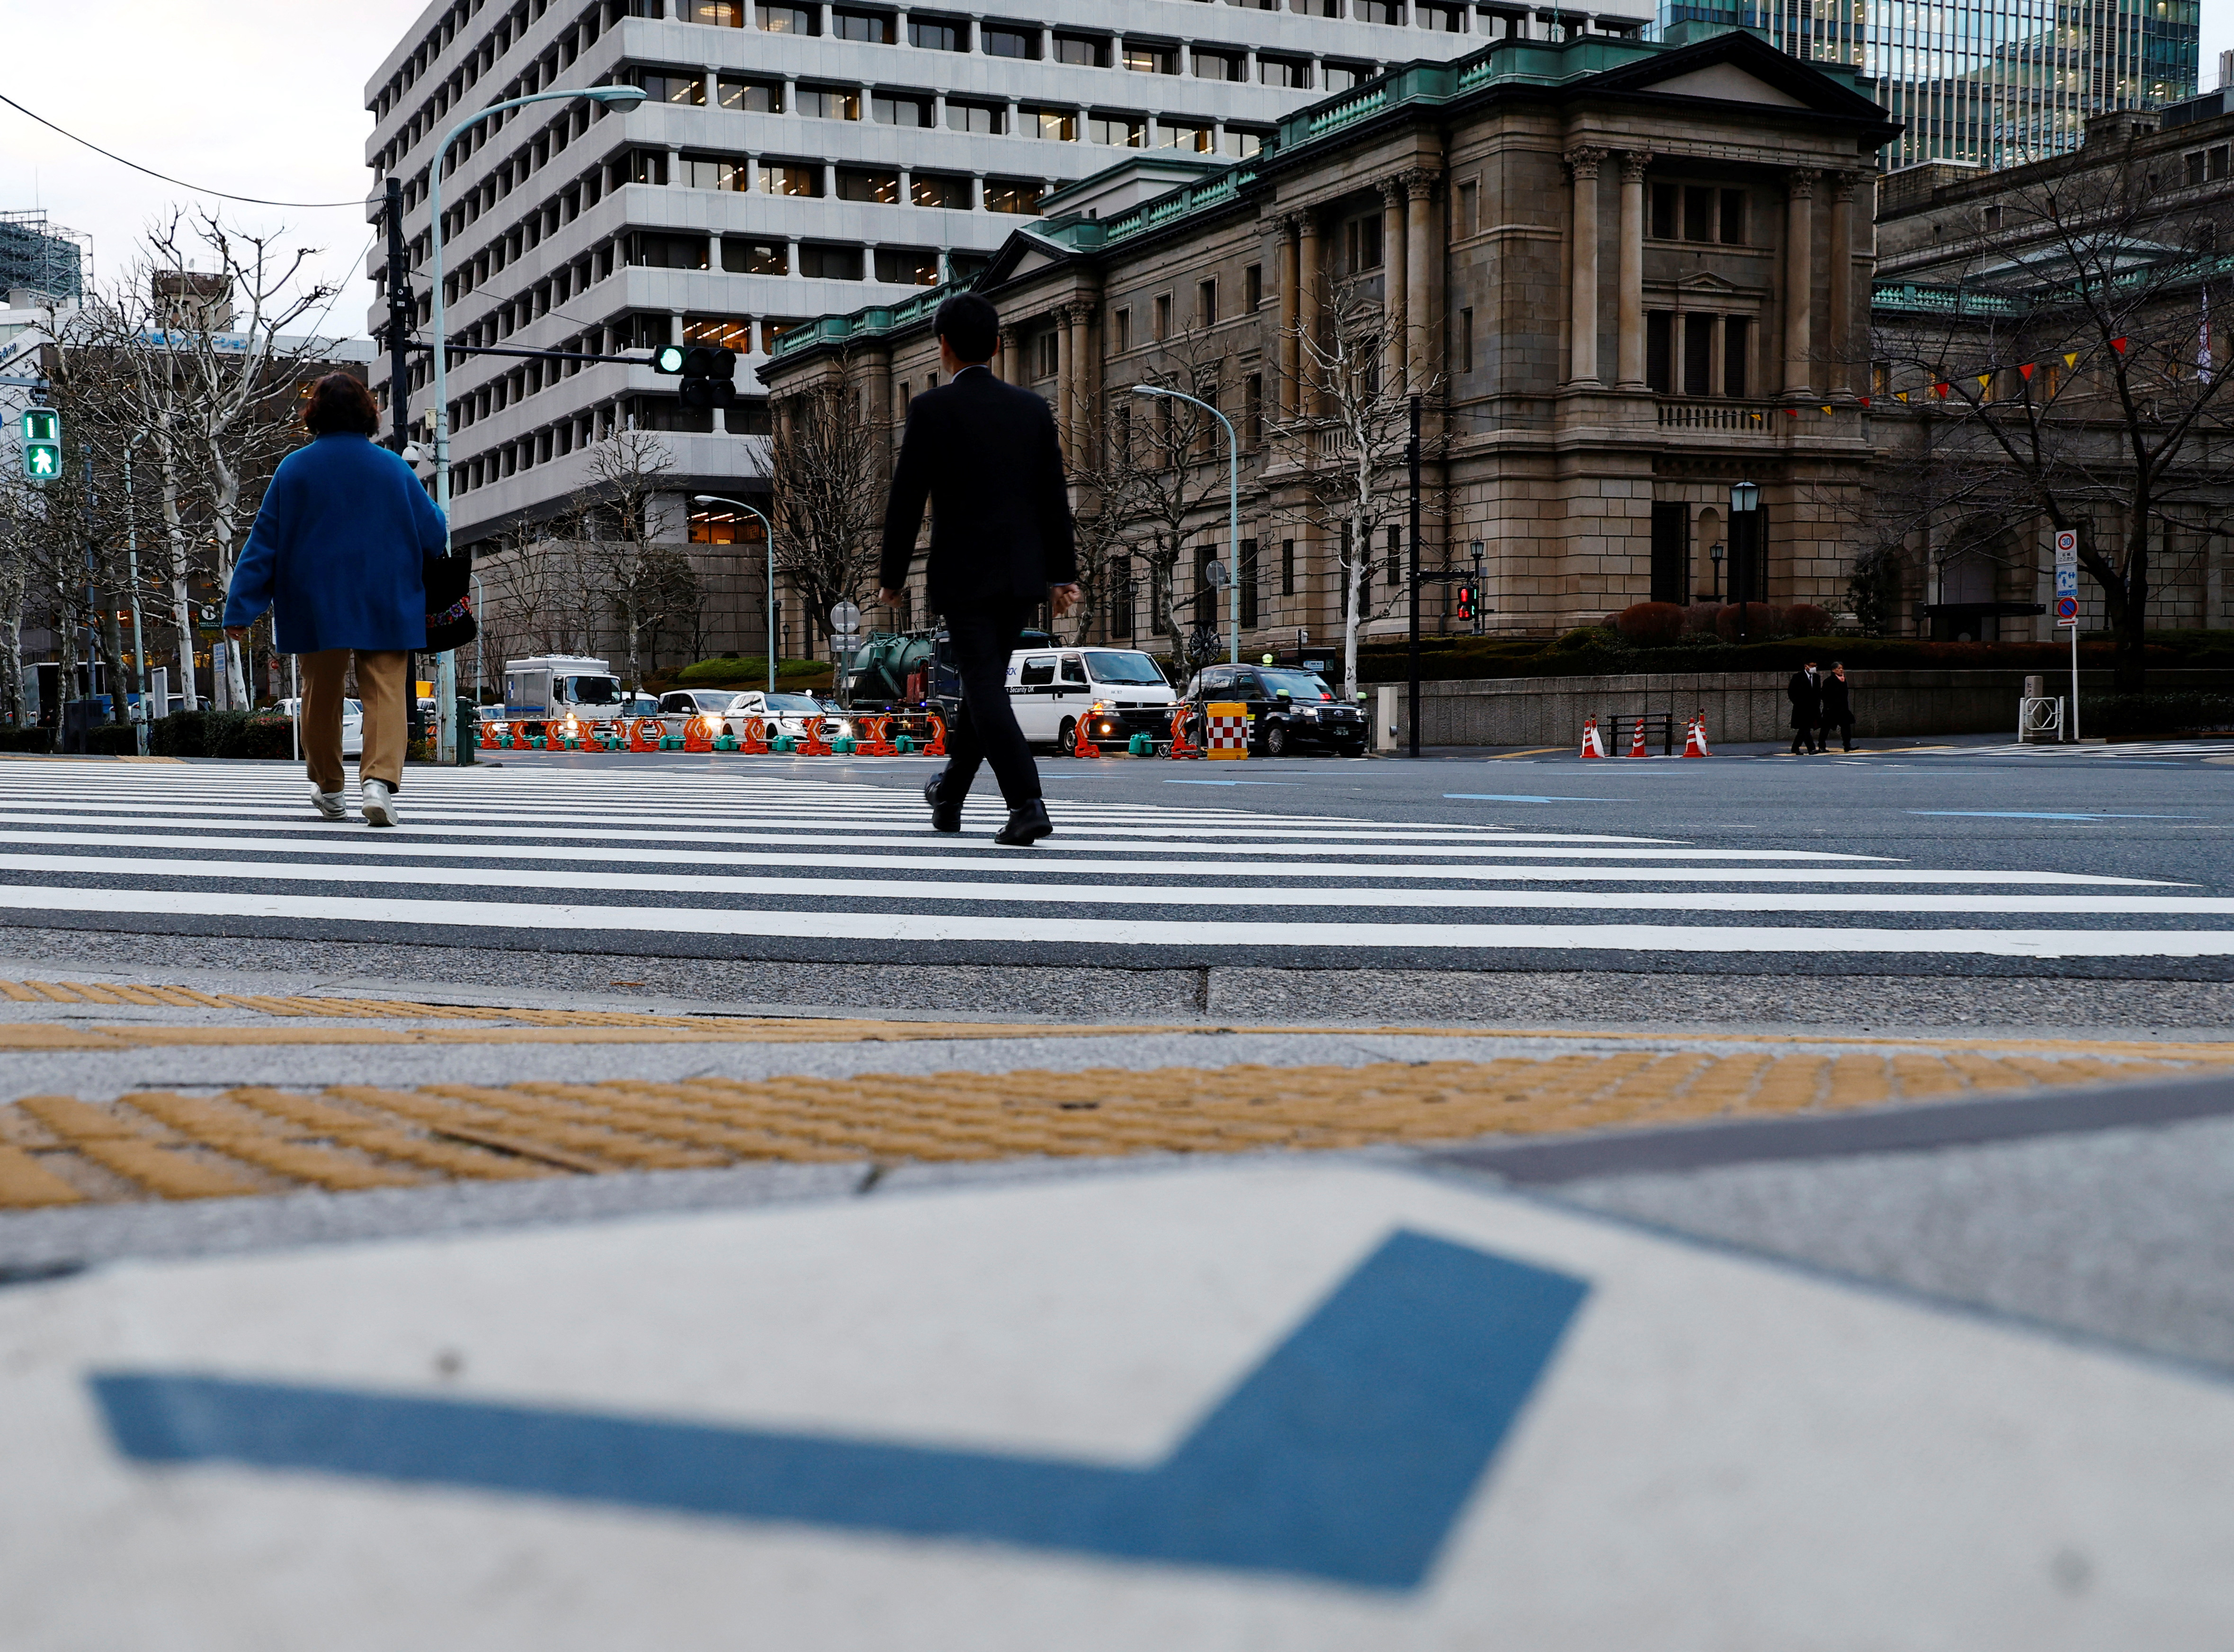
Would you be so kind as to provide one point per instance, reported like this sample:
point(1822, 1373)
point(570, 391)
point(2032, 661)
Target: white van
point(1053, 688)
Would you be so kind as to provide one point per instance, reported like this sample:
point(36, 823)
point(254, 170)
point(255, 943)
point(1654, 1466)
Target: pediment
point(1702, 281)
point(1725, 83)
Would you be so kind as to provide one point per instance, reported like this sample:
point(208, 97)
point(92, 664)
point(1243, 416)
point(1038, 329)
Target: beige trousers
point(381, 685)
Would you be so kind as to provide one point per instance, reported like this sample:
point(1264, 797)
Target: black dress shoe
point(1028, 824)
point(945, 817)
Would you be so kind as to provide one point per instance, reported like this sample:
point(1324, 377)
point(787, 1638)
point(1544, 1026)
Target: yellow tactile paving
point(162, 1144)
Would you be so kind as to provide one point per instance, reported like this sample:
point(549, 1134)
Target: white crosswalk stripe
point(2129, 750)
point(724, 864)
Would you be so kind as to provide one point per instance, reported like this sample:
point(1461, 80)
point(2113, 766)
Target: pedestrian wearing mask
point(1805, 693)
point(1838, 708)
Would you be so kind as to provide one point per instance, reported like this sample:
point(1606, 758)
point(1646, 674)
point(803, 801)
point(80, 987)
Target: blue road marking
point(1517, 797)
point(1290, 784)
point(2032, 814)
point(1345, 1456)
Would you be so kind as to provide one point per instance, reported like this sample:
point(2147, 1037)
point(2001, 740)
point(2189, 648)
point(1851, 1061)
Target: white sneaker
point(379, 803)
point(326, 803)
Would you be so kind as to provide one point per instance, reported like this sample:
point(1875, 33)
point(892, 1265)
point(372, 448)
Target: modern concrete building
point(794, 160)
point(1994, 82)
point(1622, 277)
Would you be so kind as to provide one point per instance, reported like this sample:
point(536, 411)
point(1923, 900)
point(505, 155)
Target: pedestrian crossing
point(776, 864)
point(2147, 751)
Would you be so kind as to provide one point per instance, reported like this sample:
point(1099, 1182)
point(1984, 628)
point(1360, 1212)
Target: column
point(1284, 391)
point(1420, 267)
point(1799, 281)
point(1392, 284)
point(1077, 346)
point(1842, 284)
point(1308, 297)
point(1009, 366)
point(1065, 397)
point(1630, 369)
point(1583, 299)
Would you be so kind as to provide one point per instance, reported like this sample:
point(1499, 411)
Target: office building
point(794, 161)
point(1996, 82)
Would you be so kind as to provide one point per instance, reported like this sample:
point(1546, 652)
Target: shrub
point(183, 733)
point(1650, 625)
point(1699, 619)
point(1806, 619)
point(26, 739)
point(1581, 637)
point(249, 735)
point(1760, 622)
point(113, 740)
point(220, 733)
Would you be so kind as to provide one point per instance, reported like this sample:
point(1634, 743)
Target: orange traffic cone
point(1637, 741)
point(1592, 745)
point(1694, 738)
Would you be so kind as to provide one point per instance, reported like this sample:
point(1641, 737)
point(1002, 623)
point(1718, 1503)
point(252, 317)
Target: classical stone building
point(1620, 277)
point(2009, 304)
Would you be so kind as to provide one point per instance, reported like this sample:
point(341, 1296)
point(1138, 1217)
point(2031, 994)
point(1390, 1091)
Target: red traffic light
point(1465, 601)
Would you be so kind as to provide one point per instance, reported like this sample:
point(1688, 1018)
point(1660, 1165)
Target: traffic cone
point(1592, 745)
point(1694, 738)
point(1637, 741)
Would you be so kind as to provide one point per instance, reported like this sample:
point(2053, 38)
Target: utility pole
point(403, 316)
point(1412, 465)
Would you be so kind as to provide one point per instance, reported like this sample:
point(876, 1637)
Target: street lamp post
point(623, 97)
point(768, 600)
point(1233, 504)
point(1714, 556)
point(1745, 499)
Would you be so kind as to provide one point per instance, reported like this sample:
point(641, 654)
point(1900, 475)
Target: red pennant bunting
point(2027, 369)
point(1940, 390)
point(2118, 345)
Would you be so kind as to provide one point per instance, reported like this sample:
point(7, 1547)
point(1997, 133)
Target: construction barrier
point(1081, 737)
point(1592, 745)
point(879, 743)
point(1181, 746)
point(645, 733)
point(488, 737)
point(938, 747)
point(756, 739)
point(1694, 738)
point(814, 745)
point(1225, 729)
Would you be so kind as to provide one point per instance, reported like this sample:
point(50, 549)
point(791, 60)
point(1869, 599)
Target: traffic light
point(708, 375)
point(43, 444)
point(1465, 600)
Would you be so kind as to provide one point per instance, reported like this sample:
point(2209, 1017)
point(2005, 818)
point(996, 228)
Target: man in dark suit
point(1837, 707)
point(985, 455)
point(1805, 693)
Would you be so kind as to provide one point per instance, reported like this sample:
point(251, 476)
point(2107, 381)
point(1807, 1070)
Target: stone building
point(2006, 301)
point(1621, 278)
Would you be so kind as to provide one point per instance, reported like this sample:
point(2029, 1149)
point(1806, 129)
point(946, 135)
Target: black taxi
point(1289, 708)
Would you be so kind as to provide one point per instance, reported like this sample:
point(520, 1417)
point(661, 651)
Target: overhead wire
point(222, 194)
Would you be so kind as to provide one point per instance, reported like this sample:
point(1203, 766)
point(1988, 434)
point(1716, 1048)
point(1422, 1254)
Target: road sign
point(2067, 582)
point(2067, 610)
point(43, 444)
point(845, 619)
point(1216, 575)
point(2067, 548)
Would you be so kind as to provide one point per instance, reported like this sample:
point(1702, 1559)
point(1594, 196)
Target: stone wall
point(1739, 706)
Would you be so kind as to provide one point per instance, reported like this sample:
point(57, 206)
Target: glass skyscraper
point(1991, 82)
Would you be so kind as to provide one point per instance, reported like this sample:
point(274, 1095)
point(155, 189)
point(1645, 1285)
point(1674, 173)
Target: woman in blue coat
point(338, 552)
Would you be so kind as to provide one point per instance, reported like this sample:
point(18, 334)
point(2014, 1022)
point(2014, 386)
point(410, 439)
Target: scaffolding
point(36, 256)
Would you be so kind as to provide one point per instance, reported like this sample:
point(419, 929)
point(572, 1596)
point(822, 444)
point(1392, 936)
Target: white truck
point(551, 688)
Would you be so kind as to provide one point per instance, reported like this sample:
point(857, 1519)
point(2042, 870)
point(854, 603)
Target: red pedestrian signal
point(1465, 601)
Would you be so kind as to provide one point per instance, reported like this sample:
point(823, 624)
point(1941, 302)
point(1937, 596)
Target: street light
point(621, 97)
point(1715, 556)
point(1745, 499)
point(1232, 501)
point(768, 533)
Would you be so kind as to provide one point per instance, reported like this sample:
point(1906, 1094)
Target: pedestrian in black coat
point(1805, 693)
point(1837, 707)
point(985, 456)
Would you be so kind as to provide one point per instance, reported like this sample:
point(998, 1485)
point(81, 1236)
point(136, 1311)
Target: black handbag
point(450, 621)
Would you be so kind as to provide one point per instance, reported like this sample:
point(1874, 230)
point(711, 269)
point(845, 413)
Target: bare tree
point(2073, 382)
point(220, 377)
point(827, 465)
point(1161, 472)
point(539, 589)
point(1357, 426)
point(629, 471)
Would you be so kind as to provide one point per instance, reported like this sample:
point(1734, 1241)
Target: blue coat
point(336, 550)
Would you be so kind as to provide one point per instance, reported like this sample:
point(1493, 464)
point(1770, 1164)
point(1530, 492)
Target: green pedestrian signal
point(43, 444)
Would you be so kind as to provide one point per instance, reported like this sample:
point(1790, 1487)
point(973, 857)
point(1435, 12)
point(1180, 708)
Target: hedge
point(111, 740)
point(745, 671)
point(221, 734)
point(26, 739)
point(2138, 716)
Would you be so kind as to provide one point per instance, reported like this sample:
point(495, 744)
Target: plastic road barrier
point(1225, 729)
point(1181, 746)
point(1592, 745)
point(643, 734)
point(879, 743)
point(755, 740)
point(1636, 744)
point(1081, 740)
point(1694, 738)
point(938, 747)
point(813, 745)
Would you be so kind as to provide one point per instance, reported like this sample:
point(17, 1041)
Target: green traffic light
point(43, 444)
point(668, 359)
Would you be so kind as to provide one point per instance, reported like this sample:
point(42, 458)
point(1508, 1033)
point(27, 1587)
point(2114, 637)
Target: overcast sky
point(255, 96)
